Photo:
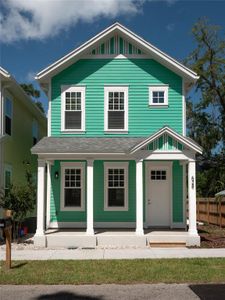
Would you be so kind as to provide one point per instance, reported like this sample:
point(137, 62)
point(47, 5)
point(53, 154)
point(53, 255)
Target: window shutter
point(73, 120)
point(116, 120)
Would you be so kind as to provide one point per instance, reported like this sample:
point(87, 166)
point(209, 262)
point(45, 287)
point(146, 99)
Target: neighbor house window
point(116, 186)
point(73, 108)
point(35, 132)
point(158, 95)
point(8, 116)
point(116, 109)
point(7, 178)
point(72, 176)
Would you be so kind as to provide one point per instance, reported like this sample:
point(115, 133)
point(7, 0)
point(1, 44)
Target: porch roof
point(82, 145)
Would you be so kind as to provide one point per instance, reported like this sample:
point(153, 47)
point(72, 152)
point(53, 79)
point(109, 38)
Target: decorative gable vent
point(164, 143)
point(114, 46)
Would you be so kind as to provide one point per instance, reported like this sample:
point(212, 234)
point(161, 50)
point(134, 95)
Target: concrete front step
point(71, 241)
point(121, 241)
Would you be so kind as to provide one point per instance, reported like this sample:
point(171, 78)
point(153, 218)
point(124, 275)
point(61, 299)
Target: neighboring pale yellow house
point(22, 124)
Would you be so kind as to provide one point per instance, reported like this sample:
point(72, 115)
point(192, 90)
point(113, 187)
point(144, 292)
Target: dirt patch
point(212, 236)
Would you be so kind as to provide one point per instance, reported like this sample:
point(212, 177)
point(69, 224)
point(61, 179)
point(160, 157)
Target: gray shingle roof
point(85, 145)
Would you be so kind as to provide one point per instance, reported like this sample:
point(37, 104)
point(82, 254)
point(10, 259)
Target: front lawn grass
point(194, 270)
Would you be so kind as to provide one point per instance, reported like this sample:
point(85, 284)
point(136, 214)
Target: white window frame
point(72, 88)
point(35, 123)
point(108, 89)
point(8, 97)
point(158, 88)
point(115, 165)
point(7, 168)
point(71, 165)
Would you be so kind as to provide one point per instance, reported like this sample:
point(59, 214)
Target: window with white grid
point(72, 186)
point(116, 112)
point(158, 95)
point(73, 109)
point(116, 186)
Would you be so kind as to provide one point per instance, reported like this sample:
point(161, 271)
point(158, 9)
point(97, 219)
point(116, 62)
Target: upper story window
point(73, 108)
point(158, 95)
point(116, 109)
point(35, 132)
point(8, 116)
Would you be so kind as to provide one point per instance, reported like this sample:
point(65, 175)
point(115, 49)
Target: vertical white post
point(48, 194)
point(40, 198)
point(90, 228)
point(192, 198)
point(139, 197)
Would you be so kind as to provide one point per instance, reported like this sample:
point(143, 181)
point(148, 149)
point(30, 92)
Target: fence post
point(220, 212)
point(208, 210)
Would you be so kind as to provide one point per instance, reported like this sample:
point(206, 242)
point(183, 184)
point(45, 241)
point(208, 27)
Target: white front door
point(159, 195)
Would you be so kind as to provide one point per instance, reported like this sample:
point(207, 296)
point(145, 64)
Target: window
point(7, 178)
point(116, 109)
point(158, 95)
point(158, 175)
point(73, 108)
point(72, 186)
point(8, 116)
point(35, 132)
point(116, 185)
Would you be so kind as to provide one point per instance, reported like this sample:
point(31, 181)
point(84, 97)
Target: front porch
point(116, 238)
point(140, 184)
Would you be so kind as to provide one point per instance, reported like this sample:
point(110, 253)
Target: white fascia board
point(170, 132)
point(158, 54)
point(4, 73)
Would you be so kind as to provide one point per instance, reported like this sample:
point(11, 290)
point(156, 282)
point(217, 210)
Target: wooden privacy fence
point(211, 210)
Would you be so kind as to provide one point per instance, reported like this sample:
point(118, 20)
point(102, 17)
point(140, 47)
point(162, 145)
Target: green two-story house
point(117, 154)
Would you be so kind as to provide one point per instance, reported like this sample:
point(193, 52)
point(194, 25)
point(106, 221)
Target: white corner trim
point(116, 165)
point(113, 88)
point(71, 165)
point(158, 88)
point(184, 117)
point(49, 108)
point(73, 88)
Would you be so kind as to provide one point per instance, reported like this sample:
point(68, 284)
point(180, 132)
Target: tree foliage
point(34, 93)
point(20, 199)
point(206, 117)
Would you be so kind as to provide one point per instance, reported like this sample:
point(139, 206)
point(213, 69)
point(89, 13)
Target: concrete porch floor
point(73, 238)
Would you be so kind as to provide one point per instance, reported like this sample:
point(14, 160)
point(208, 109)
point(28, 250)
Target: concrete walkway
point(128, 253)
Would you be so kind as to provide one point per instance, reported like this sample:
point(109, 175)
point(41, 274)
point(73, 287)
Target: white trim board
point(148, 48)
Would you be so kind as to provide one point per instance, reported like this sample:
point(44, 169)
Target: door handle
point(149, 201)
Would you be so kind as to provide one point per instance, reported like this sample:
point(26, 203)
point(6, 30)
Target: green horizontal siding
point(138, 74)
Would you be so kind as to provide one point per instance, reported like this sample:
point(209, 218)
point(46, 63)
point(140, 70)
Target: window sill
point(73, 131)
point(158, 105)
point(115, 208)
point(116, 132)
point(72, 209)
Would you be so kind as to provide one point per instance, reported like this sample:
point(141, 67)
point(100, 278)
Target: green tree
point(34, 93)
point(20, 199)
point(206, 117)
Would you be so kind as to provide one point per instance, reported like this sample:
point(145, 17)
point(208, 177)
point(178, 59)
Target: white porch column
point(49, 165)
point(192, 197)
point(39, 239)
point(139, 197)
point(90, 178)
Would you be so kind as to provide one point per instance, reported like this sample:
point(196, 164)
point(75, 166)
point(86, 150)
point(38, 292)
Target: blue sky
point(35, 33)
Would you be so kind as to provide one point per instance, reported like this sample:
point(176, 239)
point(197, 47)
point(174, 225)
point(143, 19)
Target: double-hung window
point(8, 116)
point(7, 178)
point(73, 108)
point(158, 95)
point(116, 186)
point(116, 108)
point(35, 132)
point(72, 193)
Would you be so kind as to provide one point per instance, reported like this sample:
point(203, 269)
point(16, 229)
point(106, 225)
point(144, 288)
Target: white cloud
point(30, 76)
point(39, 19)
point(170, 26)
